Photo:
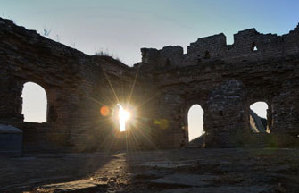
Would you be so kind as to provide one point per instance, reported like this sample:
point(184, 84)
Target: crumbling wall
point(224, 79)
point(215, 48)
point(68, 76)
point(267, 73)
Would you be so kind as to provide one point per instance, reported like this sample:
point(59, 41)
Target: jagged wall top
point(249, 45)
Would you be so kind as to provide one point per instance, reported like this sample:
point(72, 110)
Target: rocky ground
point(230, 170)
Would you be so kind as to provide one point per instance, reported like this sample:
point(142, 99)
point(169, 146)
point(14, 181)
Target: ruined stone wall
point(215, 48)
point(68, 76)
point(77, 87)
point(224, 80)
point(225, 92)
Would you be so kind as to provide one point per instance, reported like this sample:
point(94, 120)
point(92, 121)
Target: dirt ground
point(229, 170)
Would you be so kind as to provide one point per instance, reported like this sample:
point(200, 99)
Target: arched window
point(195, 122)
point(34, 107)
point(258, 117)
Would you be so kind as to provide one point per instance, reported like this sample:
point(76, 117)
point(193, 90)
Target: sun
point(124, 116)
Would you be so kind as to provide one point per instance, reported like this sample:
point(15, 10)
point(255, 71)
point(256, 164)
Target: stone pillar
point(169, 125)
point(11, 101)
point(285, 111)
point(226, 121)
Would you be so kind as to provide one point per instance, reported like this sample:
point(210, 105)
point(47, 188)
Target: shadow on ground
point(246, 170)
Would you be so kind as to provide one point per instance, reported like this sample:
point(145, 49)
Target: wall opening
point(34, 106)
point(254, 47)
point(195, 122)
point(258, 117)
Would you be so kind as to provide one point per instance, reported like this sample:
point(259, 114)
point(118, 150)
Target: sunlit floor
point(184, 170)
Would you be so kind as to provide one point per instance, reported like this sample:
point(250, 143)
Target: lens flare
point(162, 123)
point(105, 111)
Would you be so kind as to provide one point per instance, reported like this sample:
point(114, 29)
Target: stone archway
point(195, 122)
point(34, 103)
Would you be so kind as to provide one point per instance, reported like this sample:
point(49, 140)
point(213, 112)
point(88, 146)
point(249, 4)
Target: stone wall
point(214, 48)
point(224, 80)
point(203, 76)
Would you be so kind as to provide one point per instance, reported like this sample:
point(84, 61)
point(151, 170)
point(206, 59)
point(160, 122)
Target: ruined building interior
point(84, 93)
point(224, 79)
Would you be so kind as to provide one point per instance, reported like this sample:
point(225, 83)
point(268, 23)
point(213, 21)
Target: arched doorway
point(195, 122)
point(34, 104)
point(258, 117)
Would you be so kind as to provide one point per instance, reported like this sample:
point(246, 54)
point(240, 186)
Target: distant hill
point(257, 123)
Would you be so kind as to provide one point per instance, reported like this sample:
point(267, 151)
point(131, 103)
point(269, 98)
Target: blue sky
point(122, 27)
